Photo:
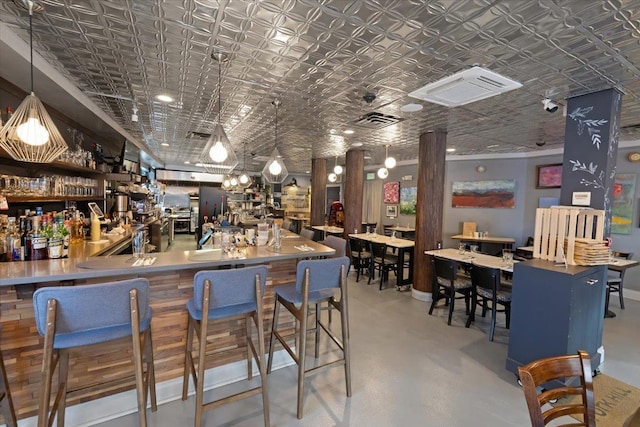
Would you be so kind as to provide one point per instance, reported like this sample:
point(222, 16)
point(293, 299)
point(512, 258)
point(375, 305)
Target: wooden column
point(591, 149)
point(318, 191)
point(429, 208)
point(353, 186)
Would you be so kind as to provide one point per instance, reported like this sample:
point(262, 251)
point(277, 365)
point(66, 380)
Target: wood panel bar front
point(93, 365)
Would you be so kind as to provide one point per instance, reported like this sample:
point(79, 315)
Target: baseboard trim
point(420, 295)
point(631, 294)
point(125, 403)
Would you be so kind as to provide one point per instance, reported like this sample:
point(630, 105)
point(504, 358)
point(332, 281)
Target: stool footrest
point(233, 398)
point(324, 367)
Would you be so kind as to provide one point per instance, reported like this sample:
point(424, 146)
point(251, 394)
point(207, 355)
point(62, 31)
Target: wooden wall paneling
point(353, 186)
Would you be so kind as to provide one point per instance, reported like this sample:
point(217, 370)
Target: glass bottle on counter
point(25, 239)
point(3, 238)
point(38, 242)
point(13, 241)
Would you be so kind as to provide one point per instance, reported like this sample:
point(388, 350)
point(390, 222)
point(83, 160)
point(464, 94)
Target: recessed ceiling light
point(307, 171)
point(411, 108)
point(187, 162)
point(164, 98)
point(450, 150)
point(349, 131)
point(356, 144)
point(165, 144)
point(367, 157)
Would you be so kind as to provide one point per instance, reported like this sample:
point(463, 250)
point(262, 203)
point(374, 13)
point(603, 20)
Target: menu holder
point(469, 229)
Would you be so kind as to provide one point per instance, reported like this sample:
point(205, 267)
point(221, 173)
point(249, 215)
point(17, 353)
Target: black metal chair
point(360, 257)
point(615, 283)
point(446, 284)
point(486, 289)
point(382, 261)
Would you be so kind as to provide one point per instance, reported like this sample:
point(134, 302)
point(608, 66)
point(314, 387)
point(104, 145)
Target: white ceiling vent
point(467, 86)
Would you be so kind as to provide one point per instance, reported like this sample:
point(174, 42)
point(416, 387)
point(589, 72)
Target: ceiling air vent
point(200, 135)
point(465, 87)
point(375, 120)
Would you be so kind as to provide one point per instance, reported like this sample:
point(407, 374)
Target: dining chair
point(220, 295)
point(360, 257)
point(6, 403)
point(381, 261)
point(616, 279)
point(338, 244)
point(317, 281)
point(446, 283)
point(287, 225)
point(564, 368)
point(486, 289)
point(307, 233)
point(74, 316)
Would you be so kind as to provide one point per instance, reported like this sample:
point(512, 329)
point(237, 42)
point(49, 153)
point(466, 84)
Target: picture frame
point(549, 176)
point(392, 211)
point(391, 192)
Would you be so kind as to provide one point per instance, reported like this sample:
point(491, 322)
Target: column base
point(420, 295)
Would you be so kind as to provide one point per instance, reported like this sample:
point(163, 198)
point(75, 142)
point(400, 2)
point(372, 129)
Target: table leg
point(608, 314)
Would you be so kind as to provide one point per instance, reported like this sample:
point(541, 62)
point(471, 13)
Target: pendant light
point(218, 155)
point(383, 172)
point(244, 179)
point(337, 170)
point(30, 135)
point(275, 170)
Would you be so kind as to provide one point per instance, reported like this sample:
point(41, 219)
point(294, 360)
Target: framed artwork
point(408, 198)
point(549, 176)
point(484, 194)
point(623, 196)
point(391, 192)
point(392, 211)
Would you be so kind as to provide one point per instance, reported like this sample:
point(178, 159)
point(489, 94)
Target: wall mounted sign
point(581, 198)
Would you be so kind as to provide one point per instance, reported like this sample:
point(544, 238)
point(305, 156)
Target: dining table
point(403, 246)
point(329, 229)
point(476, 258)
point(483, 242)
point(404, 231)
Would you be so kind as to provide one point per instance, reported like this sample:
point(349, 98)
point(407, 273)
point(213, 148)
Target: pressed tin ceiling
point(321, 57)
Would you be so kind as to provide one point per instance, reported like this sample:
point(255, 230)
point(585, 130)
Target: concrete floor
point(408, 369)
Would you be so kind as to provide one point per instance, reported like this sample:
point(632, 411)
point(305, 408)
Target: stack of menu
point(590, 252)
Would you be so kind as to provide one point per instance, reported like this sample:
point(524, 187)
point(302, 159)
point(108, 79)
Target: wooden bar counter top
point(171, 277)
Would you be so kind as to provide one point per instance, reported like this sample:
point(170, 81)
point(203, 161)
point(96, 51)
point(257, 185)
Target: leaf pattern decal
point(597, 180)
point(580, 115)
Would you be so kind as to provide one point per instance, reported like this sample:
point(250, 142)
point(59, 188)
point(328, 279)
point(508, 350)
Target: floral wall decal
point(591, 125)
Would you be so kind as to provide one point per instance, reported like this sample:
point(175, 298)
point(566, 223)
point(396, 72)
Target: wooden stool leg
point(49, 360)
point(274, 328)
point(259, 317)
point(188, 360)
point(63, 380)
point(151, 370)
point(344, 320)
point(6, 404)
point(302, 352)
point(247, 324)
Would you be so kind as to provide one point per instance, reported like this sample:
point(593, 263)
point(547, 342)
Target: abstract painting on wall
point(484, 194)
point(391, 192)
point(408, 198)
point(624, 190)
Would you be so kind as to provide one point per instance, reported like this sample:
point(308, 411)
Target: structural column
point(318, 191)
point(429, 209)
point(590, 151)
point(353, 189)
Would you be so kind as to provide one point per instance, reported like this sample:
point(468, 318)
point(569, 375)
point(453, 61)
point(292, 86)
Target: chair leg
point(274, 328)
point(202, 351)
point(261, 365)
point(302, 352)
point(492, 328)
point(151, 370)
point(6, 404)
point(434, 298)
point(188, 360)
point(316, 348)
point(49, 361)
point(620, 295)
point(63, 376)
point(247, 326)
point(344, 317)
point(472, 314)
point(451, 303)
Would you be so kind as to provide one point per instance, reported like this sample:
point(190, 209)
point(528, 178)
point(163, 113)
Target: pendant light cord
point(276, 144)
point(31, 40)
point(219, 92)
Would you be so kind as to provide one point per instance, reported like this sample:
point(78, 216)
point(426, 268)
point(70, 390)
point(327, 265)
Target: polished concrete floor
point(408, 369)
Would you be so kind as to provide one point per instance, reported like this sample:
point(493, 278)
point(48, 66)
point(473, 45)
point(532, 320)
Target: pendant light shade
point(389, 162)
point(337, 169)
point(244, 180)
point(30, 135)
point(383, 173)
point(218, 155)
point(333, 177)
point(274, 170)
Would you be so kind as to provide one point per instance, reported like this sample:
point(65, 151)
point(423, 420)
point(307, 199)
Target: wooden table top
point(472, 258)
point(380, 238)
point(489, 239)
point(401, 229)
point(328, 229)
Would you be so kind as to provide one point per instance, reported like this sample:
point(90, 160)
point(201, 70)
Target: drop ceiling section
point(320, 58)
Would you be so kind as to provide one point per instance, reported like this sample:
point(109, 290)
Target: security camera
point(134, 115)
point(542, 143)
point(369, 97)
point(549, 105)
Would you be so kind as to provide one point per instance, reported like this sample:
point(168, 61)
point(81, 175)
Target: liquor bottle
point(3, 239)
point(38, 242)
point(12, 241)
point(22, 232)
point(26, 237)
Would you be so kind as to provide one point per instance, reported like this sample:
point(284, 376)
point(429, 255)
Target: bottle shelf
point(41, 199)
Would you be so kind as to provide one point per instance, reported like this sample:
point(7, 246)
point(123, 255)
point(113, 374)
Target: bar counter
point(171, 278)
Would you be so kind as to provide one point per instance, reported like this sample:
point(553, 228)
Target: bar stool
point(6, 404)
point(225, 294)
point(75, 316)
point(316, 282)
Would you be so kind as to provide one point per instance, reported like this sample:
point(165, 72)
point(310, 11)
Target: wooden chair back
point(542, 371)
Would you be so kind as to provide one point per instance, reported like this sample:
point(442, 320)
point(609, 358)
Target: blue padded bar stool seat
point(316, 281)
point(74, 316)
point(223, 294)
point(6, 404)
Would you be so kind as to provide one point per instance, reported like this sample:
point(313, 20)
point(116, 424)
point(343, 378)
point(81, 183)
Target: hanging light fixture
point(383, 172)
point(389, 162)
point(218, 155)
point(30, 135)
point(275, 170)
point(337, 170)
point(244, 179)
